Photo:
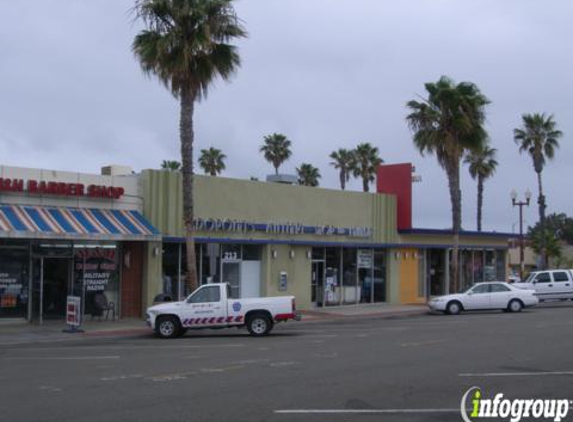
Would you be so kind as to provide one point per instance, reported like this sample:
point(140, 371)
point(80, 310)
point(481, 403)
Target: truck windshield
point(530, 278)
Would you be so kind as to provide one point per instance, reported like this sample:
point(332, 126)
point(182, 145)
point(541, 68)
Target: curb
point(313, 318)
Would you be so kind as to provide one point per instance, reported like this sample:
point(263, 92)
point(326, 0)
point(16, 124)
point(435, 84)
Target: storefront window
point(379, 281)
point(231, 252)
point(96, 269)
point(332, 288)
point(212, 258)
point(171, 268)
point(467, 269)
point(317, 253)
point(14, 271)
point(211, 263)
point(350, 292)
point(478, 266)
point(365, 281)
point(501, 268)
point(251, 252)
point(490, 268)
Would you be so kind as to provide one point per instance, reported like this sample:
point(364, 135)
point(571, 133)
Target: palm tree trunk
point(541, 202)
point(342, 179)
point(187, 101)
point(456, 199)
point(365, 183)
point(479, 202)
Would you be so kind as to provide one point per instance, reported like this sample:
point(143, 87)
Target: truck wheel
point(168, 327)
point(259, 325)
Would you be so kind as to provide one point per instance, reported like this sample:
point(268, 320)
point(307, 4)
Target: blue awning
point(66, 222)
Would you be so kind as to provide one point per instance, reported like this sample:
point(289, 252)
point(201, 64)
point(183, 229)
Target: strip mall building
point(121, 235)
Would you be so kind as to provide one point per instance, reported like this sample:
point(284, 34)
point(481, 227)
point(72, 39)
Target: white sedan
point(483, 296)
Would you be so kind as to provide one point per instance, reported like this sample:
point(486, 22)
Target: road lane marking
point(60, 358)
point(185, 375)
point(281, 364)
point(326, 355)
point(517, 374)
point(122, 377)
point(422, 343)
point(364, 411)
point(49, 388)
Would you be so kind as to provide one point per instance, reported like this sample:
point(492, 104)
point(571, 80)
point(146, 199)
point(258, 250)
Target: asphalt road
point(408, 369)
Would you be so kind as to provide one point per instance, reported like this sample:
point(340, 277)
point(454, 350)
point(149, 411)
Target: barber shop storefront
point(37, 277)
point(60, 239)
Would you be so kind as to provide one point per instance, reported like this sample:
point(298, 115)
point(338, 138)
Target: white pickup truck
point(549, 284)
point(210, 306)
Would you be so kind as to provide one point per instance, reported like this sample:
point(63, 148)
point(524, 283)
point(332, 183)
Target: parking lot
point(366, 369)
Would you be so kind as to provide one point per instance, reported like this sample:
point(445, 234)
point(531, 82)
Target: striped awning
point(64, 222)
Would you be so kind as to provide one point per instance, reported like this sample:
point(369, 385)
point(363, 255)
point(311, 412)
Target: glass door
point(55, 286)
point(51, 284)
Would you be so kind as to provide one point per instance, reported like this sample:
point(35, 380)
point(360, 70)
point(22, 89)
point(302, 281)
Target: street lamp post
point(520, 204)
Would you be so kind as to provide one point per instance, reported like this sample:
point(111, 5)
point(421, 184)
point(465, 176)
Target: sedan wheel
point(454, 308)
point(515, 306)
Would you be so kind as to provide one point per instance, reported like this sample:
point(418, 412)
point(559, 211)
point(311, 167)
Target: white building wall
point(131, 199)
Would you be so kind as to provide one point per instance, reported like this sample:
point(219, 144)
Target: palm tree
point(539, 138)
point(170, 165)
point(482, 165)
point(343, 160)
point(212, 161)
point(365, 164)
point(186, 44)
point(308, 175)
point(448, 123)
point(276, 150)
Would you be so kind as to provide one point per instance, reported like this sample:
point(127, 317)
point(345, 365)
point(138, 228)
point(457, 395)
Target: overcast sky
point(326, 73)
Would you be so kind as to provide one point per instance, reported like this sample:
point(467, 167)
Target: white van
point(549, 284)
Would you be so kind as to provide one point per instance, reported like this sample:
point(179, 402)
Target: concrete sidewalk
point(18, 332)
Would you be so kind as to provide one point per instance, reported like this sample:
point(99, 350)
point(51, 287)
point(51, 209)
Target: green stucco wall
point(261, 202)
point(152, 271)
point(298, 269)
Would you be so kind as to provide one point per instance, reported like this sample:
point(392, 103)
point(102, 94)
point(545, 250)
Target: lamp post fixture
point(521, 204)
